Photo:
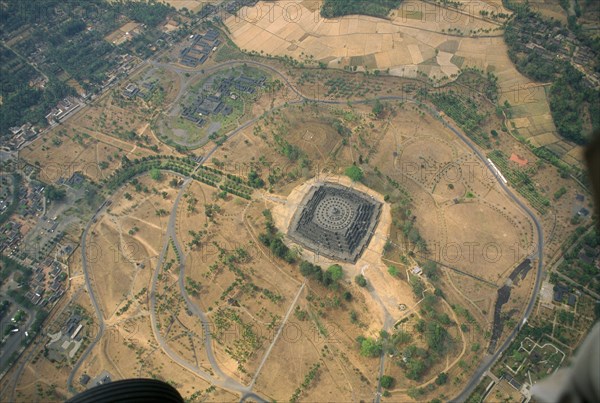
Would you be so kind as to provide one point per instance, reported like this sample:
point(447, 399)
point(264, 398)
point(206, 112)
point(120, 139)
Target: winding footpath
point(221, 379)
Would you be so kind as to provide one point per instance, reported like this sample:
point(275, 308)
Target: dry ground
point(118, 266)
point(73, 155)
point(460, 210)
point(227, 232)
point(128, 348)
point(415, 138)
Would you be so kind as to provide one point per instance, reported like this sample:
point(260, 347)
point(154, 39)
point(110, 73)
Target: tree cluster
point(375, 8)
point(273, 240)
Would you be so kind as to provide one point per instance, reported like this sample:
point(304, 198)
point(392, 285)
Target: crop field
point(407, 38)
point(431, 45)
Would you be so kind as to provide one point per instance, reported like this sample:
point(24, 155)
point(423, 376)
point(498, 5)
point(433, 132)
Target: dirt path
point(285, 319)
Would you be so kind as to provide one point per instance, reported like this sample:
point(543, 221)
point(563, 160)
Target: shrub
point(361, 280)
point(387, 381)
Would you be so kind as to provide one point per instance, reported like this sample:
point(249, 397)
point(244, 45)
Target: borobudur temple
point(335, 221)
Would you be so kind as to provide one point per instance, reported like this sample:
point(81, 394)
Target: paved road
point(90, 290)
point(13, 343)
point(154, 322)
point(489, 361)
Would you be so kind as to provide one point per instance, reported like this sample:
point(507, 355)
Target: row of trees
point(154, 164)
point(465, 112)
point(272, 238)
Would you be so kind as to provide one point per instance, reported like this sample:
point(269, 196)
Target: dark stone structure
point(205, 105)
point(335, 221)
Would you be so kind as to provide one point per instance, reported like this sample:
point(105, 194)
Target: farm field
point(416, 44)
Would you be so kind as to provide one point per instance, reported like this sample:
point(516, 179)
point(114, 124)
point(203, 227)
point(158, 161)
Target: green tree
point(377, 8)
point(436, 337)
point(378, 108)
point(155, 174)
point(417, 286)
point(442, 378)
point(430, 269)
point(354, 173)
point(387, 381)
point(370, 347)
point(255, 180)
point(560, 193)
point(336, 272)
point(54, 193)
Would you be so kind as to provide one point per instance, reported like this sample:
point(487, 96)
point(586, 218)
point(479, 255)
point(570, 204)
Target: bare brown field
point(71, 148)
point(127, 240)
point(454, 196)
point(71, 156)
point(392, 293)
point(128, 347)
point(301, 348)
point(261, 298)
point(35, 388)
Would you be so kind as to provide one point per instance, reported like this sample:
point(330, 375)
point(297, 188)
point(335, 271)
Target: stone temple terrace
point(335, 221)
